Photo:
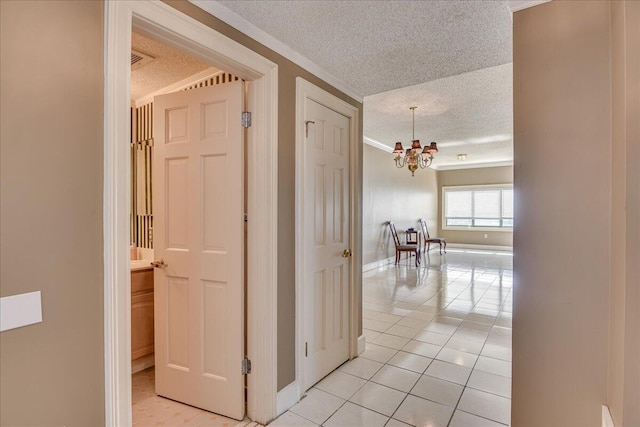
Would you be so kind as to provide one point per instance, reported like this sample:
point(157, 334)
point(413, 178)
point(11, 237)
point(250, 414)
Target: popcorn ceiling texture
point(376, 46)
point(470, 113)
point(169, 66)
point(451, 58)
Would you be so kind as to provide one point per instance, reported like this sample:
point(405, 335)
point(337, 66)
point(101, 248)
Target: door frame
point(176, 29)
point(306, 90)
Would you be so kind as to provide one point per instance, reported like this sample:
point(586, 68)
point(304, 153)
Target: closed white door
point(326, 238)
point(198, 234)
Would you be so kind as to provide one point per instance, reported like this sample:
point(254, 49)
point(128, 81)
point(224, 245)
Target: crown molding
point(385, 148)
point(376, 144)
point(473, 165)
point(241, 24)
point(516, 5)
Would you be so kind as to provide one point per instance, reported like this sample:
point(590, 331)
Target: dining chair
point(411, 248)
point(428, 240)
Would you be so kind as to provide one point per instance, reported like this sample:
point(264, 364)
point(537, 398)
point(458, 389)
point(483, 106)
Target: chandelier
point(416, 155)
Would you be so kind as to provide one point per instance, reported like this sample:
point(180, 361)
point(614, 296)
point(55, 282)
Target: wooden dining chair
point(428, 240)
point(415, 249)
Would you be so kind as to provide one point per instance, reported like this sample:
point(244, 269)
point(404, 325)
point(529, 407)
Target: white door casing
point(178, 30)
point(326, 238)
point(199, 233)
point(306, 92)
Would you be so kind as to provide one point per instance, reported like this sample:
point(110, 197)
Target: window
point(478, 207)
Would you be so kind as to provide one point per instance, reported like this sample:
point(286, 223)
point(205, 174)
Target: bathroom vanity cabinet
point(141, 313)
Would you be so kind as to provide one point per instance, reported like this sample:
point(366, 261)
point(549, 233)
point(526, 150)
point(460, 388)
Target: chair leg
point(440, 248)
point(445, 246)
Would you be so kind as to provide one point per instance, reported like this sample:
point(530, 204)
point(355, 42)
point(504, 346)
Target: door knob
point(346, 253)
point(159, 264)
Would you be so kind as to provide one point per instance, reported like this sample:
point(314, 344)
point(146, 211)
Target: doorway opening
point(172, 94)
point(175, 29)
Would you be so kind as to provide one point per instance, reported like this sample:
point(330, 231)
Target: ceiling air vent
point(136, 58)
point(140, 58)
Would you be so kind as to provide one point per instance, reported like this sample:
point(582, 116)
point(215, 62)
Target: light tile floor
point(438, 354)
point(150, 410)
point(438, 349)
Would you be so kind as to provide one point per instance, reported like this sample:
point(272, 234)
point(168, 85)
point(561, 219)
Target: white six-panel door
point(326, 237)
point(198, 233)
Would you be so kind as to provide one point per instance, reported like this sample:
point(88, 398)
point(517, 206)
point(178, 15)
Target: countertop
point(140, 264)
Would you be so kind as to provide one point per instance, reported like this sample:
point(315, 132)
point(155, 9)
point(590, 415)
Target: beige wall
point(393, 194)
point(476, 176)
point(287, 73)
point(562, 178)
point(624, 352)
point(51, 212)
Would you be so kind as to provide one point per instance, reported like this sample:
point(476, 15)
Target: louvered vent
point(136, 58)
point(139, 58)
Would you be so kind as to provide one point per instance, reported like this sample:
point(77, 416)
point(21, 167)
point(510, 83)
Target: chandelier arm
point(412, 157)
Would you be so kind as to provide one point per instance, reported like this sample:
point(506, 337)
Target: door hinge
point(246, 366)
point(246, 218)
point(246, 119)
point(306, 349)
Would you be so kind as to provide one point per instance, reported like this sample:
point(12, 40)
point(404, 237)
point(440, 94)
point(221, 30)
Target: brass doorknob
point(159, 264)
point(346, 253)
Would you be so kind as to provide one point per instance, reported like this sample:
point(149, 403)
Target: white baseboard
point(485, 247)
point(376, 264)
point(142, 363)
point(286, 398)
point(607, 420)
point(362, 342)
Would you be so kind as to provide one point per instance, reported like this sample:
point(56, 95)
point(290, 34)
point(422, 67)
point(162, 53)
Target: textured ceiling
point(451, 58)
point(169, 66)
point(469, 113)
point(376, 46)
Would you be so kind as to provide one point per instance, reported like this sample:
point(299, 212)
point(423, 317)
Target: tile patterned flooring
point(150, 410)
point(438, 354)
point(438, 350)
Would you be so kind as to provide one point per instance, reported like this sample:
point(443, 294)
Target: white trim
point(306, 90)
point(484, 247)
point(182, 84)
point(287, 397)
point(377, 264)
point(479, 229)
point(172, 27)
point(362, 344)
point(241, 24)
point(377, 144)
point(516, 5)
point(462, 165)
point(607, 420)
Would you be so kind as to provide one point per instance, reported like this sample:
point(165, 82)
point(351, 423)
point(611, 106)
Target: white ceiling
point(450, 58)
point(376, 46)
point(470, 113)
point(169, 66)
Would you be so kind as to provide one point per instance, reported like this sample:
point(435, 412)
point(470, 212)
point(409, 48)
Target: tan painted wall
point(562, 178)
point(393, 194)
point(62, 358)
point(624, 343)
point(51, 117)
point(287, 73)
point(476, 176)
